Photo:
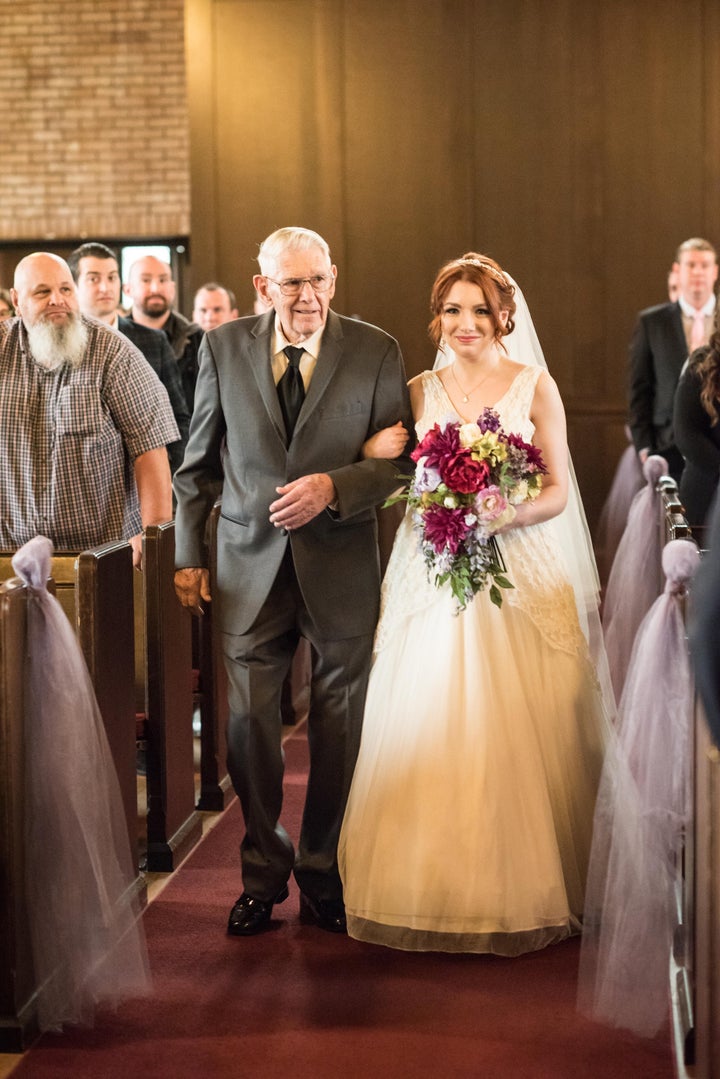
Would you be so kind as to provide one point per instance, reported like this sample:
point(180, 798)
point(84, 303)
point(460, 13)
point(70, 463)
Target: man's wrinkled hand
point(302, 500)
point(192, 586)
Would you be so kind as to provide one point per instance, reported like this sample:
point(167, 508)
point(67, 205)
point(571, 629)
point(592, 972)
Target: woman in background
point(697, 428)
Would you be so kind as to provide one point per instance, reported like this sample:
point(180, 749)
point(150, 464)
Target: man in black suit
point(95, 270)
point(664, 337)
point(285, 402)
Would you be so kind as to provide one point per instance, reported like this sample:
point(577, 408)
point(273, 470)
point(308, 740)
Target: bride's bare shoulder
point(417, 380)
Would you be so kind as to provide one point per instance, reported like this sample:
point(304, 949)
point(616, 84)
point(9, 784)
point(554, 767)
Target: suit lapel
point(259, 348)
point(676, 323)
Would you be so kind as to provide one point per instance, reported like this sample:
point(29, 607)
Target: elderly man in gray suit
point(284, 403)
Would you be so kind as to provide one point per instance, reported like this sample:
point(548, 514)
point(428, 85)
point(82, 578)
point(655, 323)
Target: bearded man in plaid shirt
point(84, 422)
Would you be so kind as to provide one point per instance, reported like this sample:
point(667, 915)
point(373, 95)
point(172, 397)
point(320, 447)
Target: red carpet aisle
point(298, 1002)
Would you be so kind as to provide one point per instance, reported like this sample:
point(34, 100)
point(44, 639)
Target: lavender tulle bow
point(644, 806)
point(634, 580)
point(88, 945)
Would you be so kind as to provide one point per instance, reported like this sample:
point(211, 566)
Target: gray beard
point(52, 345)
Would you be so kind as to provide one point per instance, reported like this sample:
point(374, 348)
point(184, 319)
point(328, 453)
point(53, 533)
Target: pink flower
point(445, 528)
point(463, 473)
point(490, 503)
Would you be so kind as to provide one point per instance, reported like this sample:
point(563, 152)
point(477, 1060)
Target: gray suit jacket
point(238, 445)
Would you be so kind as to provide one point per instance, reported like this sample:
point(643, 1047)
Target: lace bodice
point(533, 560)
point(513, 407)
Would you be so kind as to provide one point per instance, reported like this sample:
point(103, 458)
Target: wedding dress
point(469, 821)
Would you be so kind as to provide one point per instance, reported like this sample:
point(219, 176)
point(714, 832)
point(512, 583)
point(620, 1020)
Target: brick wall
point(94, 120)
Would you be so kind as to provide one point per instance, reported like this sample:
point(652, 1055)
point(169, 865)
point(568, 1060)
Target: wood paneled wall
point(576, 141)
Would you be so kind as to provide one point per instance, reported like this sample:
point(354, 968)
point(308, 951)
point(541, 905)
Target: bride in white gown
point(469, 821)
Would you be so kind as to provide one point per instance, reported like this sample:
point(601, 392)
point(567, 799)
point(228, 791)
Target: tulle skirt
point(468, 826)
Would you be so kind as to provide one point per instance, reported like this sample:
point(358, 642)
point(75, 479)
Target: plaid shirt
point(68, 440)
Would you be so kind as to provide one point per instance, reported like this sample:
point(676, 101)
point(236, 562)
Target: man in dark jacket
point(95, 270)
point(151, 288)
point(664, 337)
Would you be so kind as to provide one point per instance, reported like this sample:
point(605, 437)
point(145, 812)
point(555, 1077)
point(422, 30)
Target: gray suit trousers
point(257, 663)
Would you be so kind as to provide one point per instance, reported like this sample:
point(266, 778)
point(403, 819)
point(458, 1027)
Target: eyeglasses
point(291, 286)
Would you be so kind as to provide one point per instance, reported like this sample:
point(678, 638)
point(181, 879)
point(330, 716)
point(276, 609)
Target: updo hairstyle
point(484, 272)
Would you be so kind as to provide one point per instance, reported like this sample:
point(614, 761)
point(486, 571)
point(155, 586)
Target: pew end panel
point(105, 629)
point(706, 889)
point(212, 697)
point(174, 825)
point(18, 1016)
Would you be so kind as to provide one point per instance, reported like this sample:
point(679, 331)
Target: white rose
point(504, 519)
point(520, 493)
point(469, 434)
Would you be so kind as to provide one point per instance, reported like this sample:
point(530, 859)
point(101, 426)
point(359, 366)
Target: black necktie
point(291, 390)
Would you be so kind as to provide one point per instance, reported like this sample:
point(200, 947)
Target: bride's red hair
point(484, 272)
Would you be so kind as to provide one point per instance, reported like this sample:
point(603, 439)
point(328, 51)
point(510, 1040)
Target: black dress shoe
point(250, 916)
point(325, 913)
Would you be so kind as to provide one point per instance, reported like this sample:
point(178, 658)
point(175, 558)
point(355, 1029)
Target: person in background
point(696, 420)
point(96, 273)
point(664, 337)
point(6, 305)
point(84, 422)
point(213, 305)
point(151, 289)
point(293, 395)
point(703, 621)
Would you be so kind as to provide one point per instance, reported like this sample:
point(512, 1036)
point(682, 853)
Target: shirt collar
point(311, 345)
point(690, 311)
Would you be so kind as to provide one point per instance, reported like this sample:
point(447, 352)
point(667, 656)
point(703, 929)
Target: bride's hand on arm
point(389, 442)
point(548, 415)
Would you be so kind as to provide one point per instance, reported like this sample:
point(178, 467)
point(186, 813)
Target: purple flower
point(531, 459)
point(426, 479)
point(489, 420)
point(445, 527)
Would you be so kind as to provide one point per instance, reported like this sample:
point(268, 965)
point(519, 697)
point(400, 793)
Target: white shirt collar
point(311, 345)
point(690, 311)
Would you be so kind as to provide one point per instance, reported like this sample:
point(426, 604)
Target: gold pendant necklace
point(466, 396)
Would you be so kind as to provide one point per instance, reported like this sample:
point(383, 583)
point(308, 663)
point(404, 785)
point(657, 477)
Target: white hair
point(288, 239)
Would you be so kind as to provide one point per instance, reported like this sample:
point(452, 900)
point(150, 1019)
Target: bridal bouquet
point(468, 480)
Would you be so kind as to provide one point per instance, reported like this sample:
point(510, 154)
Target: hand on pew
point(192, 585)
point(136, 544)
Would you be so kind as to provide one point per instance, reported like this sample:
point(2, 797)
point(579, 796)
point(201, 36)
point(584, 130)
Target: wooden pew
point(673, 523)
point(173, 824)
point(212, 697)
point(104, 623)
point(18, 1023)
point(706, 945)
